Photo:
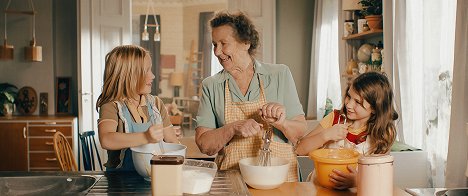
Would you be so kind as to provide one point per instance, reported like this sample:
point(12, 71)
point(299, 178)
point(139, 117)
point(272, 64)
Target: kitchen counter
point(124, 183)
point(308, 188)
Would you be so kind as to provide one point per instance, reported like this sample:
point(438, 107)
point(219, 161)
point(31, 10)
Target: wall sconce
point(145, 34)
point(177, 80)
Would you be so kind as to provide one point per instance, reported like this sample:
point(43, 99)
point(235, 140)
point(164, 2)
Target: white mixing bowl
point(142, 156)
point(264, 177)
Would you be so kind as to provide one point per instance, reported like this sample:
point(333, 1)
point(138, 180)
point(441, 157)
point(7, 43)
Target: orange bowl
point(326, 160)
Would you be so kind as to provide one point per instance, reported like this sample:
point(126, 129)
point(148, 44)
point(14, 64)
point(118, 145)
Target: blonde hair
point(123, 74)
point(377, 91)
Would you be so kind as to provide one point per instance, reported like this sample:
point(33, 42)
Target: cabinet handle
point(24, 132)
point(50, 130)
point(49, 143)
point(50, 123)
point(51, 159)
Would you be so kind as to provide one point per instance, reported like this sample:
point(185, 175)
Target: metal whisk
point(264, 158)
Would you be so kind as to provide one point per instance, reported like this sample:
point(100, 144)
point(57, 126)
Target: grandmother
point(246, 98)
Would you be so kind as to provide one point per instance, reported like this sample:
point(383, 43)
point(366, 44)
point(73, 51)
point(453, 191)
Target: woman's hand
point(344, 180)
point(247, 128)
point(273, 113)
point(155, 133)
point(337, 132)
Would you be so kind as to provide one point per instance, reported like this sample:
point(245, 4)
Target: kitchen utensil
point(375, 176)
point(198, 175)
point(325, 163)
point(264, 158)
point(161, 145)
point(260, 177)
point(166, 170)
point(142, 155)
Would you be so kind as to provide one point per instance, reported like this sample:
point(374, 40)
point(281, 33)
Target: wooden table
point(308, 188)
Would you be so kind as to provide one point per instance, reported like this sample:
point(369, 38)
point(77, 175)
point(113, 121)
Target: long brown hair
point(376, 90)
point(123, 74)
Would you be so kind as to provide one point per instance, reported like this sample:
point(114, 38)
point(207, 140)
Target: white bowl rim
point(283, 162)
point(139, 150)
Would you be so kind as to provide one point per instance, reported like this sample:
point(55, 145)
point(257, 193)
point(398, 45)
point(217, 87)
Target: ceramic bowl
point(264, 177)
point(142, 156)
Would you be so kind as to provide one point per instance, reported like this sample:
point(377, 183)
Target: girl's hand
point(247, 128)
point(344, 180)
point(273, 113)
point(155, 133)
point(337, 132)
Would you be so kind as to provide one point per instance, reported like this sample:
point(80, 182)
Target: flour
point(196, 180)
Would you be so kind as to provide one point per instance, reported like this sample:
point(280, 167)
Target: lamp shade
point(349, 5)
point(176, 79)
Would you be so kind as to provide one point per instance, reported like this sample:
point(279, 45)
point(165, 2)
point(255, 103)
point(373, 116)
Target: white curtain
point(424, 33)
point(325, 74)
point(457, 160)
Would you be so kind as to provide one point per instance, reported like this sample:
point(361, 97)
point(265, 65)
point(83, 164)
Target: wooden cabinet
point(32, 137)
point(13, 146)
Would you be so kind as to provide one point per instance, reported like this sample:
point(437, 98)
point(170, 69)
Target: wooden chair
point(64, 153)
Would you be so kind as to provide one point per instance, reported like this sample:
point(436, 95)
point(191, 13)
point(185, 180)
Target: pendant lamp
point(6, 51)
point(145, 34)
point(33, 52)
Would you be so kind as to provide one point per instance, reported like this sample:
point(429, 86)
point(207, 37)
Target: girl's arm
point(112, 140)
point(320, 136)
point(311, 141)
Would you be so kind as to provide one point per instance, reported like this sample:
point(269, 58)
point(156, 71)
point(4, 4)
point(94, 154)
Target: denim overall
point(132, 127)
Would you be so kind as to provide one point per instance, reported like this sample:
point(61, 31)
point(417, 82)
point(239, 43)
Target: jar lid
point(349, 20)
point(375, 159)
point(167, 160)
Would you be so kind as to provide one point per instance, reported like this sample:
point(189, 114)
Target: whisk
point(161, 143)
point(264, 158)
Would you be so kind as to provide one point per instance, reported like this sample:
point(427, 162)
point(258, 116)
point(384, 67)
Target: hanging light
point(145, 34)
point(6, 51)
point(33, 52)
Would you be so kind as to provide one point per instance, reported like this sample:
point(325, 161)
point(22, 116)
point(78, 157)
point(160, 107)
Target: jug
point(375, 175)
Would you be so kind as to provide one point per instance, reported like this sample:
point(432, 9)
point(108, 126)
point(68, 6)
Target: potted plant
point(8, 95)
point(372, 11)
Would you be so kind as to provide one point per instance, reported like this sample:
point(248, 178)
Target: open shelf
point(365, 34)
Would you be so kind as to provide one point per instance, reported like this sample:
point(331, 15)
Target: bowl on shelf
point(264, 177)
point(326, 160)
point(142, 155)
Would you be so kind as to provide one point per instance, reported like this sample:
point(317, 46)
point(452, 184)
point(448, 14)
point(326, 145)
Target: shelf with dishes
point(365, 35)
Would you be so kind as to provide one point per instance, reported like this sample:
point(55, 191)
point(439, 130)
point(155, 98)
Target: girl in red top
point(368, 128)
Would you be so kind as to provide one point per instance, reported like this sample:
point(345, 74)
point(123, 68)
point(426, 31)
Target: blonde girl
point(369, 127)
point(129, 115)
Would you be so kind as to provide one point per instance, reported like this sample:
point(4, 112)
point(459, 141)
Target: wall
point(56, 33)
point(294, 40)
point(179, 26)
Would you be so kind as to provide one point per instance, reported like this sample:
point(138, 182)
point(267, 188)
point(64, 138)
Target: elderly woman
point(247, 98)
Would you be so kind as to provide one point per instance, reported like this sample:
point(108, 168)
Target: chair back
point(64, 153)
point(89, 150)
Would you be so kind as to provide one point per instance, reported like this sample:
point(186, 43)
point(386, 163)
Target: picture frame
point(62, 92)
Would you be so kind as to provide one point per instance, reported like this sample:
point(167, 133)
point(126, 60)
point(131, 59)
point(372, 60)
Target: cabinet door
point(13, 147)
